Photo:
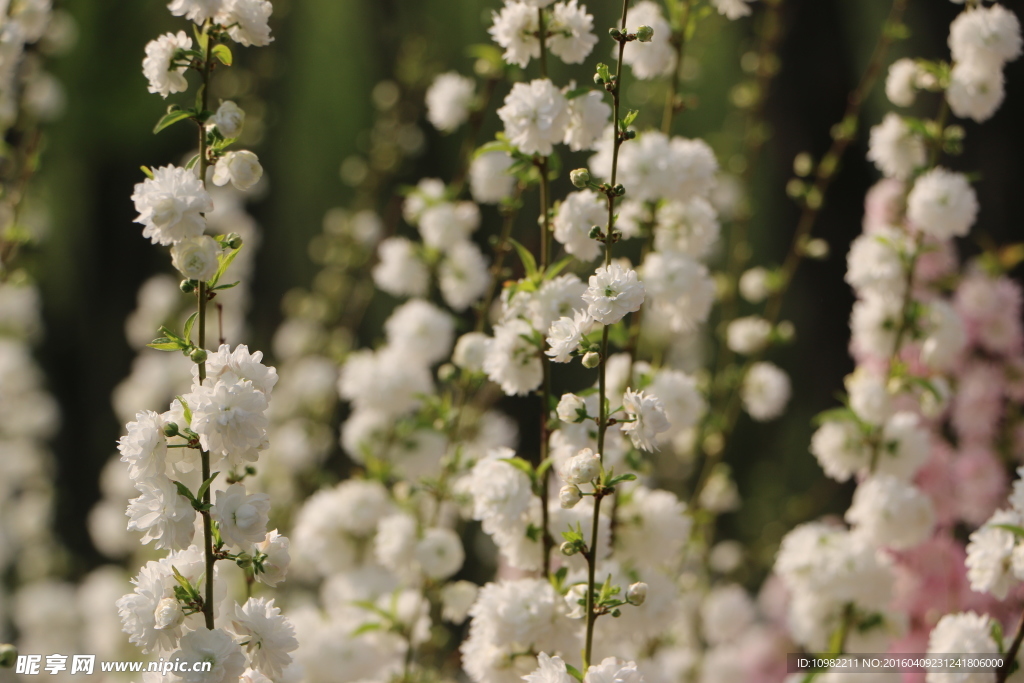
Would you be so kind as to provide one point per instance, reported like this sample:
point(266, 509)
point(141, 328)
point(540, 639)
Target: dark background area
point(315, 82)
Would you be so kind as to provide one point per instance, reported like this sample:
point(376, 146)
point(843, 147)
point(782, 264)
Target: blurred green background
point(312, 90)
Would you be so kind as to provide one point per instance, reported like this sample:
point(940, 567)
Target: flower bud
point(582, 468)
point(615, 33)
point(636, 594)
point(619, 190)
point(198, 355)
point(569, 495)
point(171, 429)
point(644, 34)
point(446, 372)
point(8, 655)
point(580, 177)
point(168, 614)
point(591, 359)
point(571, 408)
point(568, 549)
point(234, 240)
point(598, 80)
point(187, 286)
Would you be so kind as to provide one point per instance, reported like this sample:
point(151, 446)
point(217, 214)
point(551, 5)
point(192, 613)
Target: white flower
point(681, 289)
point(384, 381)
point(725, 613)
point(512, 359)
point(228, 119)
point(754, 285)
point(612, 670)
point(196, 257)
point(652, 527)
point(440, 553)
point(901, 82)
point(657, 57)
point(582, 468)
point(873, 322)
point(144, 447)
point(449, 99)
point(515, 29)
point(576, 215)
point(164, 78)
point(976, 89)
point(456, 599)
point(195, 10)
point(400, 272)
point(905, 446)
point(163, 514)
point(171, 205)
point(216, 647)
point(869, 396)
point(238, 366)
point(689, 227)
point(588, 119)
point(748, 335)
point(942, 204)
point(655, 166)
point(549, 670)
point(463, 276)
point(967, 633)
point(990, 554)
point(444, 224)
point(535, 115)
point(683, 402)
point(648, 419)
point(501, 493)
point(332, 521)
point(571, 408)
point(565, 335)
point(839, 448)
point(891, 513)
point(247, 21)
point(614, 291)
point(876, 262)
point(420, 331)
point(489, 179)
point(983, 34)
point(732, 9)
point(766, 390)
point(895, 149)
point(275, 564)
point(267, 635)
point(242, 518)
point(571, 33)
point(229, 418)
point(470, 351)
point(242, 168)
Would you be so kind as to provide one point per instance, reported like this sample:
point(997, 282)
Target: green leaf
point(227, 286)
point(183, 581)
point(192, 162)
point(188, 326)
point(199, 94)
point(629, 476)
point(164, 344)
point(494, 146)
point(148, 171)
point(629, 118)
point(533, 532)
point(520, 464)
point(1015, 530)
point(557, 267)
point(206, 485)
point(574, 672)
point(529, 262)
point(543, 468)
point(171, 118)
point(225, 261)
point(223, 53)
point(185, 408)
point(186, 493)
point(603, 72)
point(366, 628)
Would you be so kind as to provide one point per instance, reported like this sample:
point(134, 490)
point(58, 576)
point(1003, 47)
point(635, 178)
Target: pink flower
point(882, 204)
point(938, 481)
point(981, 484)
point(978, 403)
